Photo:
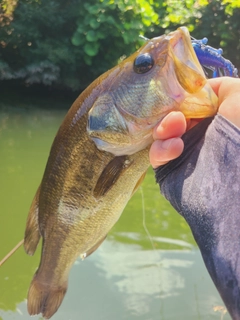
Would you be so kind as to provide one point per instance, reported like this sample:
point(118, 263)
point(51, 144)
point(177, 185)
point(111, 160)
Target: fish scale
point(100, 156)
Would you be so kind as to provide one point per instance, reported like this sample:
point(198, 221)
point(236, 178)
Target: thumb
point(228, 91)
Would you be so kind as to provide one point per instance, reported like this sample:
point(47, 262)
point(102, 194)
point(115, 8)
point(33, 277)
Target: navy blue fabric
point(203, 185)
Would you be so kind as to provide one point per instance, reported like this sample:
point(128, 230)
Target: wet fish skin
point(63, 220)
point(95, 166)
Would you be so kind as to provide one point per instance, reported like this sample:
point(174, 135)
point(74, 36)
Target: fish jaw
point(200, 100)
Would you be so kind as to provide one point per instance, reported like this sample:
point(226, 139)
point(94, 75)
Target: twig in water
point(11, 252)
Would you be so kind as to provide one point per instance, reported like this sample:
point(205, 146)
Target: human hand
point(168, 144)
point(203, 184)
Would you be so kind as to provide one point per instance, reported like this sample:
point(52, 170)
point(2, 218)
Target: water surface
point(148, 268)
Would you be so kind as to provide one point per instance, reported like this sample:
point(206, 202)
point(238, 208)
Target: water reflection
point(148, 268)
point(122, 281)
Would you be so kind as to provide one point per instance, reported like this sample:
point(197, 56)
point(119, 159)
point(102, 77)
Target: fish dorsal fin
point(91, 250)
point(110, 175)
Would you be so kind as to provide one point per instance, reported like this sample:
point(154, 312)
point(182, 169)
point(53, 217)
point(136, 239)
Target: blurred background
point(67, 44)
point(149, 267)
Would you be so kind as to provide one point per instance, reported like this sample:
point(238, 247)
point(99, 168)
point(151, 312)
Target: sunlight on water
point(148, 268)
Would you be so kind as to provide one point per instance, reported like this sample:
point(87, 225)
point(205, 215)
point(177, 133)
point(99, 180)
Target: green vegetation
point(68, 44)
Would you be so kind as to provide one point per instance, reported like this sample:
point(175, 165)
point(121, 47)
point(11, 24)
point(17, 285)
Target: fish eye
point(143, 63)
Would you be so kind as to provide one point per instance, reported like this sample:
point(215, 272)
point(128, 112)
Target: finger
point(224, 87)
point(163, 151)
point(173, 125)
point(228, 91)
point(215, 83)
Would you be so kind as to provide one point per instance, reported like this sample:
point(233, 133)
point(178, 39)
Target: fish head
point(164, 75)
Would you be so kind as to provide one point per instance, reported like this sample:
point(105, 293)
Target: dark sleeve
point(203, 185)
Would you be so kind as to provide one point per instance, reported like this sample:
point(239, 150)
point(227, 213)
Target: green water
point(148, 273)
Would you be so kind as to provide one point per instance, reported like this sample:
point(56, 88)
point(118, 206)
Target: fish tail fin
point(32, 232)
point(45, 298)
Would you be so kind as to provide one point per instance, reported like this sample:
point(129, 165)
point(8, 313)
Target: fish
point(99, 156)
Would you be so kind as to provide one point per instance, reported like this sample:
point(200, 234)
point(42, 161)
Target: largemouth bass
point(100, 156)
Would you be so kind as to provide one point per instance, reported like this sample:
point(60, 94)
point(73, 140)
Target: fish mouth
point(190, 75)
point(187, 67)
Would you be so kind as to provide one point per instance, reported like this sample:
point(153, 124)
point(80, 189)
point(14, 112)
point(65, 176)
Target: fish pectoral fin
point(32, 232)
point(94, 248)
point(110, 175)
